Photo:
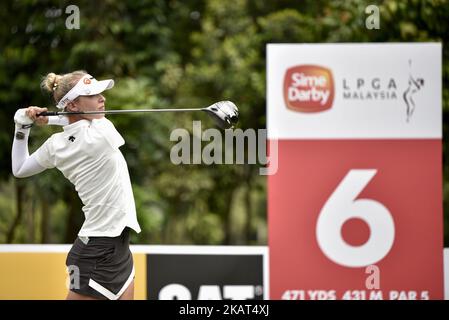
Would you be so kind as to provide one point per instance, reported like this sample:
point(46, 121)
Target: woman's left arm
point(23, 165)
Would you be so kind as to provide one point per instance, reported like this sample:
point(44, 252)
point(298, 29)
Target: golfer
point(88, 155)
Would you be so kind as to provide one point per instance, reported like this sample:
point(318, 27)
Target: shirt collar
point(76, 125)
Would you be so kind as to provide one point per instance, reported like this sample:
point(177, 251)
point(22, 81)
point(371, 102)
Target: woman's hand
point(32, 113)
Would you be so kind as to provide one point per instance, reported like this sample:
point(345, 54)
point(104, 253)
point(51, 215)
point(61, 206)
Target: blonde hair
point(59, 85)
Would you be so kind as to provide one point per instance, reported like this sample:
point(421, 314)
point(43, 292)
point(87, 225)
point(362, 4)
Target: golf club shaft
point(62, 113)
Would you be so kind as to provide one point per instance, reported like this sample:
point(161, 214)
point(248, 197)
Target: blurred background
point(166, 54)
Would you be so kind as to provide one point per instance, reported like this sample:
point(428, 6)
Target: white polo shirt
point(87, 153)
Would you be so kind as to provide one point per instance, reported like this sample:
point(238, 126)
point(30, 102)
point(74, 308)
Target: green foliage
point(167, 54)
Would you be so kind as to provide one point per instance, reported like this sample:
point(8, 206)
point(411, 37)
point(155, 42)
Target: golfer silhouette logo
point(414, 85)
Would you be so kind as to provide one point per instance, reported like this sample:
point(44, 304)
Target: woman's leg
point(129, 292)
point(76, 296)
point(127, 295)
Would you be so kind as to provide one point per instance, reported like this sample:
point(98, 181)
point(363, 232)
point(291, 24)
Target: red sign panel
point(360, 220)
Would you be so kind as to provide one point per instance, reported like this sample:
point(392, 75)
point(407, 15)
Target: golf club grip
point(47, 113)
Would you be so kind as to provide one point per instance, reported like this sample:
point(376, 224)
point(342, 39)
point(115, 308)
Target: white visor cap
point(86, 86)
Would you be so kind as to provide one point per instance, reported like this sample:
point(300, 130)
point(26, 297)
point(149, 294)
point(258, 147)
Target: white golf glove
point(22, 120)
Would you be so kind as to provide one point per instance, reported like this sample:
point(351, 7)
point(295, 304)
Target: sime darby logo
point(308, 88)
point(311, 88)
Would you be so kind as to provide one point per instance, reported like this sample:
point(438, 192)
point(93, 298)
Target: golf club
point(225, 113)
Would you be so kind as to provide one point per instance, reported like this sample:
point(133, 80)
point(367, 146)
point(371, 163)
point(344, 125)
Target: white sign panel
point(358, 91)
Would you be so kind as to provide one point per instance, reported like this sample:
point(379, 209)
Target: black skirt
point(101, 267)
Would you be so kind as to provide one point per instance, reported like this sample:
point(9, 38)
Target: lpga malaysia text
point(219, 150)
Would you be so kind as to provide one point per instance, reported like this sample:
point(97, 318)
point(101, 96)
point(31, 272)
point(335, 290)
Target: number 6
point(342, 206)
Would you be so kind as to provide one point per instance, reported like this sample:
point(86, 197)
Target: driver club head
point(225, 113)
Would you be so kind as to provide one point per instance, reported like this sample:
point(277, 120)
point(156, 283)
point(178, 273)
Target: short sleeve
point(45, 156)
point(58, 120)
point(107, 130)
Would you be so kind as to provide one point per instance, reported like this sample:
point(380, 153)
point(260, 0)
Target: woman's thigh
point(129, 292)
point(76, 296)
